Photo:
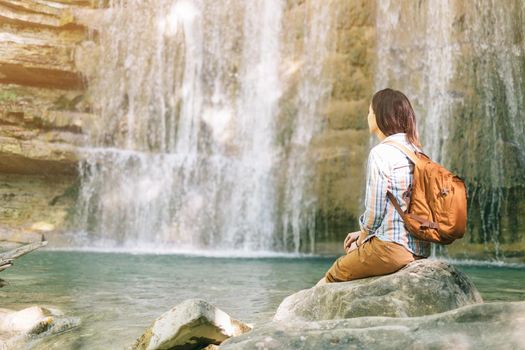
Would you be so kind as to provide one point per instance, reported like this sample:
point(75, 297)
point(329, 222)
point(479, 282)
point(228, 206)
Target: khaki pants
point(373, 258)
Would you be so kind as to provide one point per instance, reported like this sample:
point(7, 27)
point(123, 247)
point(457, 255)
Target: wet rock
point(481, 326)
point(16, 327)
point(423, 287)
point(35, 205)
point(193, 324)
point(27, 320)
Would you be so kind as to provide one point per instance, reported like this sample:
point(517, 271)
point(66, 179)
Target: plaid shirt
point(389, 169)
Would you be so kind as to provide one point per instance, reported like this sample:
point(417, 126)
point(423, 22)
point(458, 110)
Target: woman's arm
point(377, 183)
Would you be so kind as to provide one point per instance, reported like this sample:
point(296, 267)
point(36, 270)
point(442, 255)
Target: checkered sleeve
point(375, 198)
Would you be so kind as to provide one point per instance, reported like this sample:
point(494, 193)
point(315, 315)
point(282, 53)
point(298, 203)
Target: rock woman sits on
point(383, 245)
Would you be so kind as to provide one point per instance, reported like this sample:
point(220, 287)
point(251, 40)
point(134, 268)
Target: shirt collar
point(399, 137)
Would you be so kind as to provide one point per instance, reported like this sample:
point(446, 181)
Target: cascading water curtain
point(419, 62)
point(314, 88)
point(490, 127)
point(187, 153)
point(462, 64)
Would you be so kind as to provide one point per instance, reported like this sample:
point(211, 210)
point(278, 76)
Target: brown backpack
point(437, 205)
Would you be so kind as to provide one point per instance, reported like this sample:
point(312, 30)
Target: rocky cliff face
point(42, 111)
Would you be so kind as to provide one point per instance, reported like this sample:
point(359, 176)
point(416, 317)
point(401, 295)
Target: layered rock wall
point(42, 111)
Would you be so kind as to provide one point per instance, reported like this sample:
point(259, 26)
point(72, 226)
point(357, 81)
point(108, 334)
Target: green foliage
point(8, 96)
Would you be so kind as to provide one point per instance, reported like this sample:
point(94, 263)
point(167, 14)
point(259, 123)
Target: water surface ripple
point(117, 296)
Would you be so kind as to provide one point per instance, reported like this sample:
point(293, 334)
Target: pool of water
point(117, 296)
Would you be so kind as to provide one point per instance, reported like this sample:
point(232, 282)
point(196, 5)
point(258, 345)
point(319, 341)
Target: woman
point(383, 245)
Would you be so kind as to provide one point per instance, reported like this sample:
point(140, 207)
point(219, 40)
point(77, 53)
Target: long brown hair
point(394, 114)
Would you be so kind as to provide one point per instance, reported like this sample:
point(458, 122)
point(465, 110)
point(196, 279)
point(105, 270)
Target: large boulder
point(482, 326)
point(17, 327)
point(423, 287)
point(193, 324)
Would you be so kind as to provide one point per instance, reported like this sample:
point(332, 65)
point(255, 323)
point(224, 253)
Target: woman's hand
point(351, 238)
point(353, 246)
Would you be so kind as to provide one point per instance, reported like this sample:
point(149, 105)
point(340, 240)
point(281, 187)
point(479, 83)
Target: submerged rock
point(483, 326)
point(17, 327)
point(193, 324)
point(423, 287)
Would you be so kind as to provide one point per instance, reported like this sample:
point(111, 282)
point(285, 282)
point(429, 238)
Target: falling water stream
point(462, 64)
point(420, 63)
point(207, 110)
point(189, 152)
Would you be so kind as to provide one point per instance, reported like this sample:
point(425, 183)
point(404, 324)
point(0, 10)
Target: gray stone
point(423, 287)
point(482, 326)
point(17, 327)
point(193, 324)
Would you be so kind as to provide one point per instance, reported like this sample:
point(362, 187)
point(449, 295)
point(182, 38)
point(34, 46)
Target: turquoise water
point(117, 296)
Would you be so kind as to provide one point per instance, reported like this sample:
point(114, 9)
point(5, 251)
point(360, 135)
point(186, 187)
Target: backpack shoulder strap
point(409, 153)
point(394, 201)
point(412, 156)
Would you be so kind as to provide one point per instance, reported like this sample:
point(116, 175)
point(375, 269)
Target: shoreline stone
point(496, 325)
point(426, 305)
point(192, 324)
point(423, 287)
point(19, 327)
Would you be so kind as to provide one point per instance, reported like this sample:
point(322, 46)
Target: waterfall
point(191, 150)
point(314, 87)
point(462, 64)
point(419, 62)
